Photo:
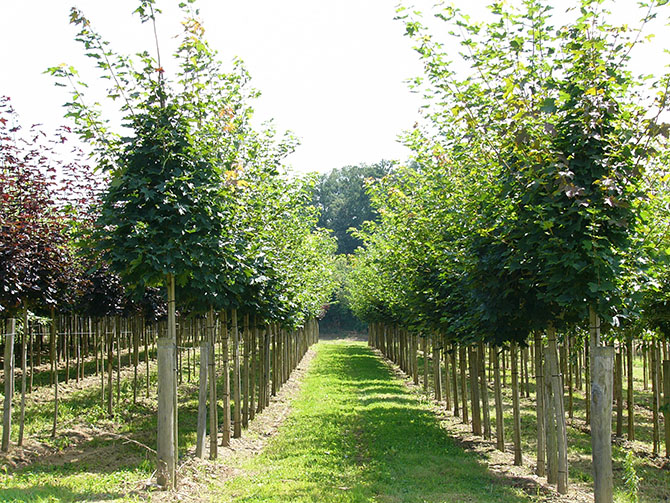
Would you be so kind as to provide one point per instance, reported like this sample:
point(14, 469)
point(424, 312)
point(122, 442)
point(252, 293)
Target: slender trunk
point(666, 405)
point(237, 381)
point(415, 359)
point(557, 391)
point(484, 392)
point(447, 393)
point(201, 428)
point(474, 392)
point(550, 422)
point(9, 382)
point(464, 389)
point(253, 370)
point(54, 367)
point(245, 374)
point(629, 391)
point(437, 376)
point(24, 357)
point(618, 392)
point(110, 367)
point(225, 438)
point(118, 360)
point(454, 379)
point(653, 350)
point(211, 365)
point(497, 391)
point(518, 460)
point(424, 350)
point(167, 454)
point(539, 406)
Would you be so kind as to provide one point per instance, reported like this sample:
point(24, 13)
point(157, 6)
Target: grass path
point(356, 434)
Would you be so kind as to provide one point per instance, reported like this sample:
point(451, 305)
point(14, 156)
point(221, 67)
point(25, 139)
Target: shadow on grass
point(356, 434)
point(54, 492)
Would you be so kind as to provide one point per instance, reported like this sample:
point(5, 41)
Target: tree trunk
point(550, 423)
point(666, 405)
point(424, 350)
point(24, 357)
point(245, 374)
point(225, 438)
point(557, 392)
point(201, 428)
point(516, 412)
point(110, 367)
point(454, 379)
point(253, 364)
point(464, 389)
point(474, 392)
point(211, 365)
point(653, 350)
point(447, 393)
point(618, 392)
point(10, 333)
point(629, 391)
point(437, 376)
point(166, 470)
point(497, 394)
point(484, 391)
point(237, 381)
point(54, 367)
point(539, 407)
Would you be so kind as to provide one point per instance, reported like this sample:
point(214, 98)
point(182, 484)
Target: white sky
point(331, 71)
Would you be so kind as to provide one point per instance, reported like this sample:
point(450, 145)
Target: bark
point(539, 407)
point(474, 392)
point(484, 391)
point(415, 359)
point(497, 393)
point(447, 393)
point(54, 368)
point(454, 379)
point(601, 422)
point(9, 383)
point(437, 376)
point(516, 413)
point(557, 391)
point(618, 392)
point(211, 366)
point(666, 404)
point(202, 403)
point(424, 350)
point(653, 350)
point(225, 438)
point(24, 356)
point(550, 424)
point(464, 389)
point(166, 452)
point(253, 364)
point(237, 381)
point(629, 391)
point(245, 374)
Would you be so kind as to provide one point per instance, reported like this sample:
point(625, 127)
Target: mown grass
point(356, 434)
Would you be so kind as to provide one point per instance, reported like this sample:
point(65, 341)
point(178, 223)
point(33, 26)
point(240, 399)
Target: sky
point(332, 72)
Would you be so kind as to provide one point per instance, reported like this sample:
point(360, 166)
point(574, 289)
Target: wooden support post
point(602, 363)
point(666, 404)
point(9, 383)
point(201, 427)
point(166, 469)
